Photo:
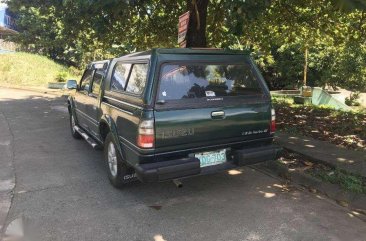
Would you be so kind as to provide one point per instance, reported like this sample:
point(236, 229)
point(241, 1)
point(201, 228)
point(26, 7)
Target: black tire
point(74, 133)
point(116, 175)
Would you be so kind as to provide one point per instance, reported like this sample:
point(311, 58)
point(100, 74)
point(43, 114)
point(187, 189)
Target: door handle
point(218, 114)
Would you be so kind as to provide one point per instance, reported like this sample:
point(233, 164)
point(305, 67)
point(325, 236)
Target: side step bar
point(88, 139)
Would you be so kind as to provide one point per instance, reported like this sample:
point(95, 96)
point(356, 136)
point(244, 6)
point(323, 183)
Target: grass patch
point(347, 181)
point(283, 100)
point(24, 69)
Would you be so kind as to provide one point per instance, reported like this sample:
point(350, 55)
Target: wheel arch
point(71, 108)
point(107, 125)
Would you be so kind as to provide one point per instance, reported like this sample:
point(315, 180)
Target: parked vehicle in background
point(172, 113)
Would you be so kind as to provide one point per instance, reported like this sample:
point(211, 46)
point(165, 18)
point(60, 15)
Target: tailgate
point(208, 104)
point(207, 126)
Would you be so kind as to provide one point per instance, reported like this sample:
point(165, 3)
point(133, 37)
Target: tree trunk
point(196, 34)
point(306, 66)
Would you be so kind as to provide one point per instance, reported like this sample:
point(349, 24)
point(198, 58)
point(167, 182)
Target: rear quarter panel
point(126, 111)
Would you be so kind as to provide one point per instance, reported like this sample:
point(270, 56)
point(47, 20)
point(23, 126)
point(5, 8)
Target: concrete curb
point(321, 152)
point(354, 201)
point(311, 158)
point(56, 93)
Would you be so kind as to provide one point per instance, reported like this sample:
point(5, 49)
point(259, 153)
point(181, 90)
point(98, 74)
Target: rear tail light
point(273, 121)
point(146, 134)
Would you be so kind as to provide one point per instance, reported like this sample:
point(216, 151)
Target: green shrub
point(62, 76)
point(74, 71)
point(352, 100)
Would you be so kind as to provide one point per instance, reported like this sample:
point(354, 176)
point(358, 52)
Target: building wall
point(7, 21)
point(2, 17)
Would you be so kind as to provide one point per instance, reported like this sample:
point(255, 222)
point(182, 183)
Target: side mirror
point(71, 84)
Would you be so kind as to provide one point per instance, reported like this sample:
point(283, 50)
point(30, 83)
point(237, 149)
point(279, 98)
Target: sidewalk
point(320, 151)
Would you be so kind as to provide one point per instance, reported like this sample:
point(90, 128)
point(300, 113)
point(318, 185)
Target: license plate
point(211, 158)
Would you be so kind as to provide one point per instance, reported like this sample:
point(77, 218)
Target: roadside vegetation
point(25, 69)
point(342, 128)
point(348, 181)
point(295, 42)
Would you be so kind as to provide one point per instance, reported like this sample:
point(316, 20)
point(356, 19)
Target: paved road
point(62, 193)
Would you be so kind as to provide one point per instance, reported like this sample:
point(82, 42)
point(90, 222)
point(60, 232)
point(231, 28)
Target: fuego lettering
point(173, 133)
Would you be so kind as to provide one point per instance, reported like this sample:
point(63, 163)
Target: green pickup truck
point(168, 114)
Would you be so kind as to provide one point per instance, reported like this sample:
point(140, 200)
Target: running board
point(88, 139)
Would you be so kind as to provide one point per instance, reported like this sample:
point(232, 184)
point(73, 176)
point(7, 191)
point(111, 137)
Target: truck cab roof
point(182, 51)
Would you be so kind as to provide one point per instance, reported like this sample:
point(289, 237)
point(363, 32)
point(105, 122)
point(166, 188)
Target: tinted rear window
point(182, 81)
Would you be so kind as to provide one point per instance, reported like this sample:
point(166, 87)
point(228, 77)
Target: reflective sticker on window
point(210, 93)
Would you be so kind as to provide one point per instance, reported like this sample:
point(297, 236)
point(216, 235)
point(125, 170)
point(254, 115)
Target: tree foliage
point(278, 32)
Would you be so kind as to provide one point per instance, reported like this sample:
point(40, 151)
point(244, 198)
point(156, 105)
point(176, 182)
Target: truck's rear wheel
point(74, 133)
point(117, 168)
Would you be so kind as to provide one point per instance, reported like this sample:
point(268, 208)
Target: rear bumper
point(256, 155)
point(181, 168)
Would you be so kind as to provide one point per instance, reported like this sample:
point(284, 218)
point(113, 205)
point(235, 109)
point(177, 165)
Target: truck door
point(92, 103)
point(81, 98)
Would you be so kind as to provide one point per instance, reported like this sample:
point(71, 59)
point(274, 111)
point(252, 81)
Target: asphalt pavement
point(62, 192)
